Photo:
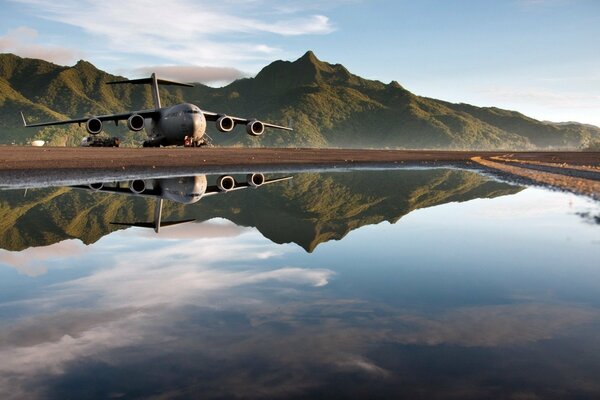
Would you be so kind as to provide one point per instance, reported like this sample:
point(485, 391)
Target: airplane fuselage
point(184, 190)
point(175, 124)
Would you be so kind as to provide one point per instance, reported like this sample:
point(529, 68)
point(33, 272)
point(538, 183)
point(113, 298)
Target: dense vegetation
point(327, 105)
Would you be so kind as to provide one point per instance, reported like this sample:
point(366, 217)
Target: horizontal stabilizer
point(152, 225)
point(149, 81)
point(137, 224)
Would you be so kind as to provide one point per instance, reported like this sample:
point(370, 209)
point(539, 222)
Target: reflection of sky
point(214, 309)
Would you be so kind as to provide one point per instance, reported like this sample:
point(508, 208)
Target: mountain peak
point(84, 64)
point(309, 61)
point(309, 56)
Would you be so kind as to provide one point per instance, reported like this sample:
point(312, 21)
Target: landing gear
point(191, 142)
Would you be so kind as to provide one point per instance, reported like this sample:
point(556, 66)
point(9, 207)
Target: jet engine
point(225, 123)
point(255, 128)
point(225, 183)
point(96, 186)
point(93, 126)
point(255, 180)
point(137, 186)
point(135, 122)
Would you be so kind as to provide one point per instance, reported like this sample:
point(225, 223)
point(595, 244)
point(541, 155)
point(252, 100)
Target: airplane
point(182, 124)
point(183, 190)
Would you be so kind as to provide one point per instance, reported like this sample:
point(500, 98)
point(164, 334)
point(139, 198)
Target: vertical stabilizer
point(154, 82)
point(155, 93)
point(157, 213)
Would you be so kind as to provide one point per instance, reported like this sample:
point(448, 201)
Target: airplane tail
point(157, 224)
point(152, 225)
point(153, 81)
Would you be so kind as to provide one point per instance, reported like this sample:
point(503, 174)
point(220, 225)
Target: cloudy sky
point(540, 57)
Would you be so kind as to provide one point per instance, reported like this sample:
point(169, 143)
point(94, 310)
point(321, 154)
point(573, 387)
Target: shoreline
point(576, 171)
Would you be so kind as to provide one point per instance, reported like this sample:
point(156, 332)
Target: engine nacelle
point(255, 128)
point(225, 183)
point(137, 186)
point(225, 123)
point(255, 180)
point(93, 126)
point(96, 186)
point(135, 122)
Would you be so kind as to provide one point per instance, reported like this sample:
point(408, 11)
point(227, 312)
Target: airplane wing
point(211, 116)
point(120, 190)
point(109, 117)
point(213, 189)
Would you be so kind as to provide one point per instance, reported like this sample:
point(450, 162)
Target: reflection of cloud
point(215, 228)
point(492, 326)
point(34, 260)
point(525, 205)
point(129, 297)
point(362, 364)
point(22, 363)
point(20, 41)
point(33, 331)
point(228, 309)
point(148, 283)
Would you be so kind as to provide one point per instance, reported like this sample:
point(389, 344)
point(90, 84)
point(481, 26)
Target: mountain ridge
point(328, 105)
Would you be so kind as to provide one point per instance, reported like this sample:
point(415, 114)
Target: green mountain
point(308, 210)
point(327, 105)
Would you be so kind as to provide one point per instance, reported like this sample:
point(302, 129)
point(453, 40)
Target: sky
point(539, 57)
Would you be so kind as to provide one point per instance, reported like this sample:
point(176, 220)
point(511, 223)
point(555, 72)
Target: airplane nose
point(198, 126)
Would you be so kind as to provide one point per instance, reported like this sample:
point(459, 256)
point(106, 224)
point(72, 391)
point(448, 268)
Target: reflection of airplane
point(184, 190)
point(182, 124)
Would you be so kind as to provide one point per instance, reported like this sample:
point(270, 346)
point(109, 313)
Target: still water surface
point(374, 284)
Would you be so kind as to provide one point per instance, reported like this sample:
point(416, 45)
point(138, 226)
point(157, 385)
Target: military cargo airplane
point(181, 124)
point(183, 190)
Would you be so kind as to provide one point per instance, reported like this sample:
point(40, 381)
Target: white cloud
point(544, 97)
point(206, 75)
point(545, 104)
point(21, 41)
point(183, 32)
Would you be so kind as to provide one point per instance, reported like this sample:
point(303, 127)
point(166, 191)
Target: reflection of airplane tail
point(157, 224)
point(152, 225)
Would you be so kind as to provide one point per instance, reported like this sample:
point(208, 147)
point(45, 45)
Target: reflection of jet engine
point(255, 128)
point(135, 122)
point(96, 186)
point(255, 180)
point(225, 183)
point(137, 186)
point(93, 126)
point(225, 123)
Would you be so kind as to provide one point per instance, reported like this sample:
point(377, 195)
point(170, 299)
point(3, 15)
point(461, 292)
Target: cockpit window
point(193, 111)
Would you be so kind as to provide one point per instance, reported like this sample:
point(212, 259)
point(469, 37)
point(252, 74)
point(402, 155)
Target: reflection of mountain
point(310, 209)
